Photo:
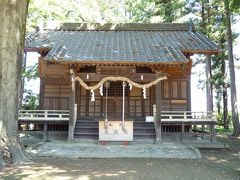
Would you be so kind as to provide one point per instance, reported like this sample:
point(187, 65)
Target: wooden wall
point(57, 91)
point(55, 94)
point(174, 95)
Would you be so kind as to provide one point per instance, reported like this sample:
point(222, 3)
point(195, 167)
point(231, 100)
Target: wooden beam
point(93, 77)
point(207, 52)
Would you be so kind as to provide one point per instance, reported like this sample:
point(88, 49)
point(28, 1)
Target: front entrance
point(114, 100)
point(96, 109)
point(114, 108)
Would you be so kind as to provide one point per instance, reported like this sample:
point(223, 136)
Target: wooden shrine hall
point(117, 82)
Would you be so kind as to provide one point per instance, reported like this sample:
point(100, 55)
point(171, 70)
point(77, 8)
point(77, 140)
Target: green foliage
point(140, 10)
point(102, 11)
point(52, 10)
point(145, 10)
point(31, 72)
point(221, 130)
point(235, 6)
point(170, 10)
point(59, 11)
point(30, 100)
point(220, 118)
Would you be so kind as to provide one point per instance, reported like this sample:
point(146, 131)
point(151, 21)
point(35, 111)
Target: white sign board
point(149, 118)
point(115, 131)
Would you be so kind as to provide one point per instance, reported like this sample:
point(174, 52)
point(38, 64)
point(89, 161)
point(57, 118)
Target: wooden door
point(115, 100)
point(115, 107)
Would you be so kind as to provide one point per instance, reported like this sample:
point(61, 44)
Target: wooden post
point(158, 112)
point(71, 107)
point(45, 132)
point(182, 131)
point(75, 114)
point(123, 102)
point(213, 133)
point(41, 93)
point(183, 126)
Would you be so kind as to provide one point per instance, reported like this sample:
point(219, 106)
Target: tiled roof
point(144, 43)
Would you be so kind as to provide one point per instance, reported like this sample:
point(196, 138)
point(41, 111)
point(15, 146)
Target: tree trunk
point(203, 15)
point(1, 162)
point(209, 84)
point(22, 81)
point(225, 97)
point(235, 117)
point(209, 97)
point(12, 34)
point(218, 103)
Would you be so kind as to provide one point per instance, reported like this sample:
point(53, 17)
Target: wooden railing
point(43, 115)
point(188, 116)
point(183, 118)
point(176, 117)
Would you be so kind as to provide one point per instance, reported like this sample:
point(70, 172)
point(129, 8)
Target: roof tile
point(149, 44)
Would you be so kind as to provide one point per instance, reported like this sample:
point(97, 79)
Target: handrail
point(43, 114)
point(188, 116)
point(22, 110)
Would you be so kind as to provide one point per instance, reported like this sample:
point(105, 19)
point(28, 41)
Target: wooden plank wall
point(138, 106)
point(174, 95)
point(56, 94)
point(174, 98)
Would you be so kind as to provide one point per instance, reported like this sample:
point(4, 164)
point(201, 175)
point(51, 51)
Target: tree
point(12, 34)
point(170, 10)
point(235, 117)
point(214, 26)
point(140, 10)
point(52, 11)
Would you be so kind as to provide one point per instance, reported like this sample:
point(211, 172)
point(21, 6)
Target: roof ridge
point(123, 27)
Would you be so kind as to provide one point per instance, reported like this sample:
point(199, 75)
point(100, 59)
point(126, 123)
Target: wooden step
point(90, 137)
point(86, 129)
point(89, 129)
point(143, 127)
point(143, 130)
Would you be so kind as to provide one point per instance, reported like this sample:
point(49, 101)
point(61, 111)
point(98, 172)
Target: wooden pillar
point(182, 131)
point(158, 112)
point(41, 93)
point(189, 106)
point(71, 107)
point(142, 105)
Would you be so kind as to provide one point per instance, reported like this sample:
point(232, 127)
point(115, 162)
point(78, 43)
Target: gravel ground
point(216, 164)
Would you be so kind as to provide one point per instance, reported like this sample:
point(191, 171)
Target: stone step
point(85, 133)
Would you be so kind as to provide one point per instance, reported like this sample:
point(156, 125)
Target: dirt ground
point(216, 164)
